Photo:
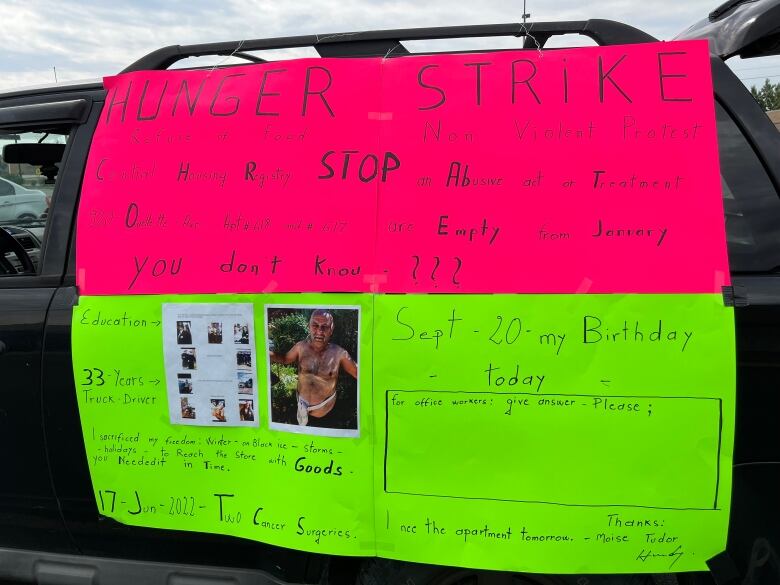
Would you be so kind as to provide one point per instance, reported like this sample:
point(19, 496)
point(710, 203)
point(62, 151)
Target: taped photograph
point(241, 333)
point(215, 333)
point(244, 359)
point(218, 410)
point(246, 410)
point(185, 383)
point(214, 371)
point(245, 382)
point(184, 332)
point(189, 360)
point(187, 409)
point(313, 369)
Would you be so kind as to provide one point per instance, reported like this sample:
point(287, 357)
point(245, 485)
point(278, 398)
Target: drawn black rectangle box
point(644, 466)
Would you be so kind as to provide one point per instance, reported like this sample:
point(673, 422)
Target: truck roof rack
point(740, 27)
point(382, 43)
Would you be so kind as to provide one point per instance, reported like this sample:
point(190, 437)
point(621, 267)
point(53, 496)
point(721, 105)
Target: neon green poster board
point(538, 433)
point(554, 433)
point(293, 489)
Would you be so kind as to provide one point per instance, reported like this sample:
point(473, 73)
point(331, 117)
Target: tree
point(768, 97)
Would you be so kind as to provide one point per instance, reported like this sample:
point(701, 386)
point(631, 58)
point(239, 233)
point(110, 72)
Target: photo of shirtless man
point(319, 362)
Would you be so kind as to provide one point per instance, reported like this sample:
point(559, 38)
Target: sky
point(88, 39)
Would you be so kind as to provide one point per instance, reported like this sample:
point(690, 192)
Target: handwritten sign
point(215, 181)
point(292, 489)
point(554, 433)
point(566, 171)
point(544, 433)
point(562, 433)
point(575, 170)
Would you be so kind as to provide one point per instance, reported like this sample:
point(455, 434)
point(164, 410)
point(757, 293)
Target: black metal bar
point(372, 48)
point(604, 32)
point(248, 57)
point(73, 111)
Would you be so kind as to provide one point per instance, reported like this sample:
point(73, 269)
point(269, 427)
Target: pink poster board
point(576, 170)
point(210, 181)
point(583, 170)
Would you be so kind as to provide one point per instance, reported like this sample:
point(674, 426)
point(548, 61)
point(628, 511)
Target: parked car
point(20, 203)
point(50, 527)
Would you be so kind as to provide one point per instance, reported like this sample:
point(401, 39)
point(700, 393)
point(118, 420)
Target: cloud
point(93, 38)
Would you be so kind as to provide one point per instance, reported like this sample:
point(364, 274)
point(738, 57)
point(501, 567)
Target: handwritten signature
point(647, 555)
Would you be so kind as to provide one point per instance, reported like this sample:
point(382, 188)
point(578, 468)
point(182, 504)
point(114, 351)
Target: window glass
point(750, 201)
point(760, 76)
point(6, 187)
point(27, 180)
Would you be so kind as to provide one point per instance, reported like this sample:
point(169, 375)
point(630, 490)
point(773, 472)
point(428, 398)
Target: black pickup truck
point(50, 528)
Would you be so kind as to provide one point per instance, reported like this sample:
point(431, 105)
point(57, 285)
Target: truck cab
point(50, 527)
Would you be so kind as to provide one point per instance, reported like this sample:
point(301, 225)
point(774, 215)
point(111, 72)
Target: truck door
point(32, 260)
point(56, 411)
point(750, 169)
